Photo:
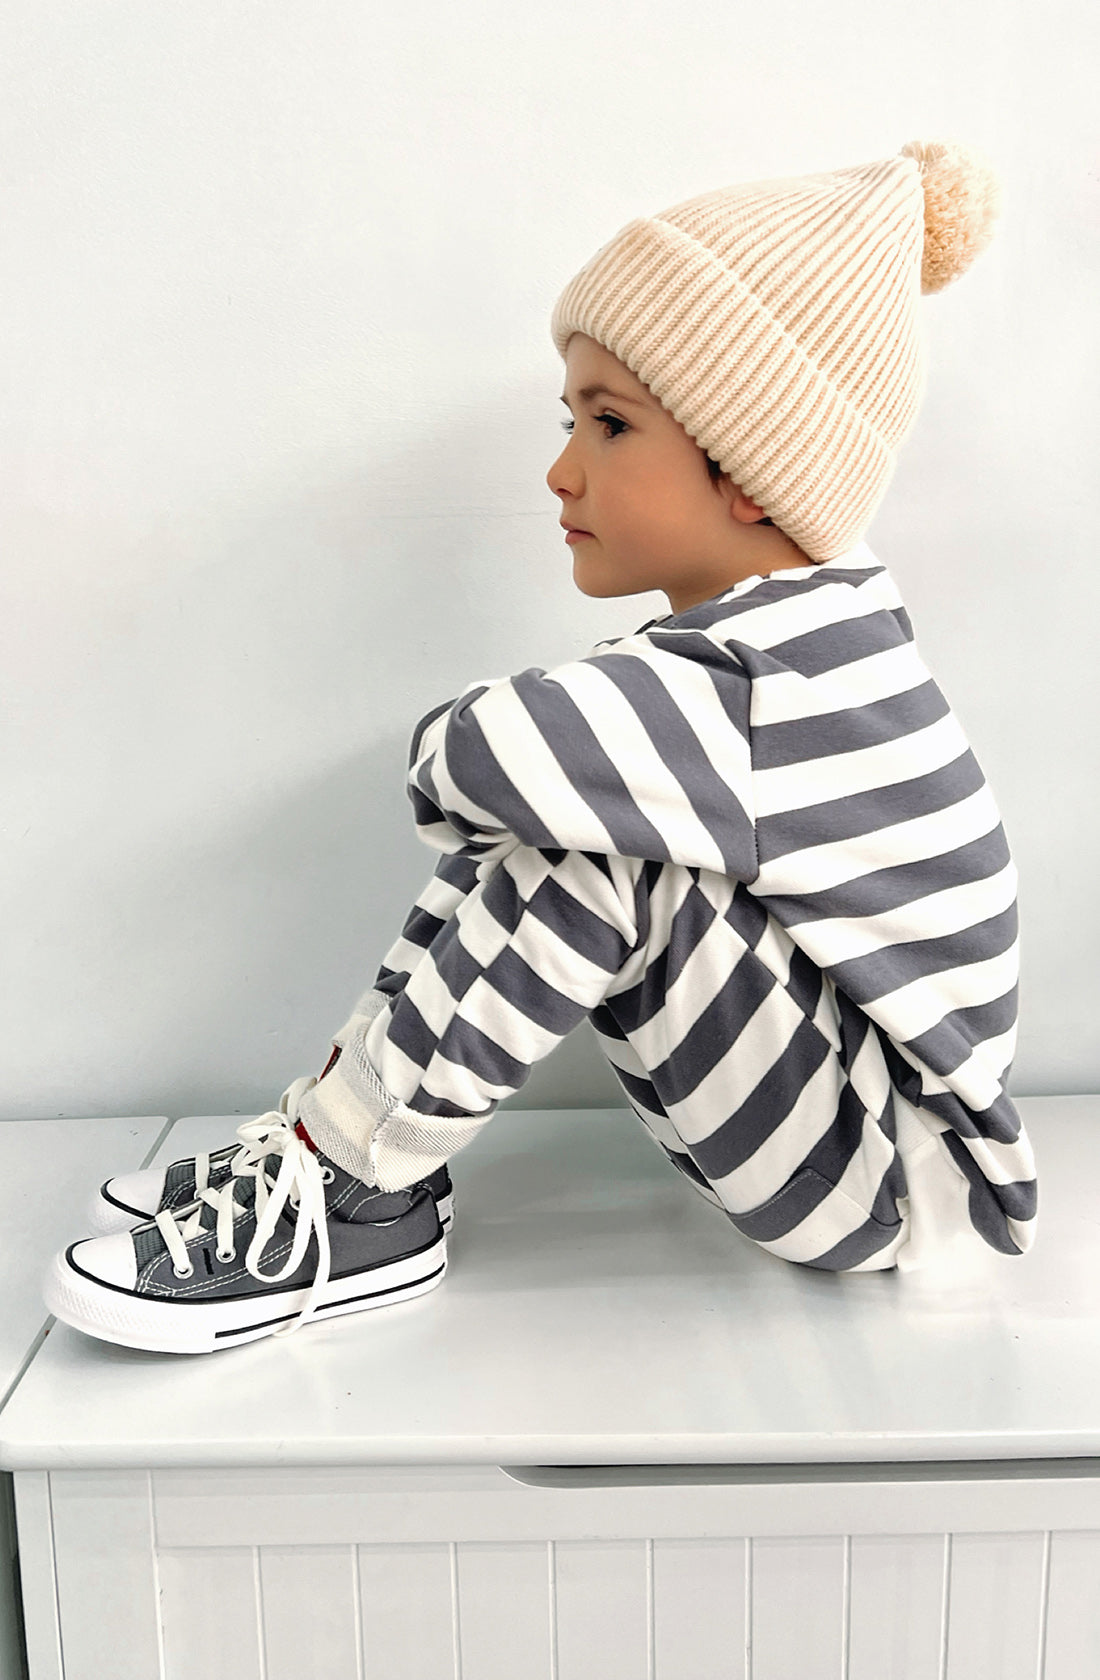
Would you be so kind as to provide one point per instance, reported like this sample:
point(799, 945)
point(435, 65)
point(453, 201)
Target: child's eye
point(619, 426)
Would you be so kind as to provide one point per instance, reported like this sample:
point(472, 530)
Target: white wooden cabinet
point(619, 1441)
point(410, 1573)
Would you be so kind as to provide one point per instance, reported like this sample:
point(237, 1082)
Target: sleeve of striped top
point(631, 751)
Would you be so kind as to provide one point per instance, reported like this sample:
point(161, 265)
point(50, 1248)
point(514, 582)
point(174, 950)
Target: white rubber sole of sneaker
point(103, 1218)
point(159, 1326)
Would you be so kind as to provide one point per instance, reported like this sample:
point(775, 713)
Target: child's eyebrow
point(590, 391)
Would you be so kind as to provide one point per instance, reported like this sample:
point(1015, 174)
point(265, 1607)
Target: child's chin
point(589, 582)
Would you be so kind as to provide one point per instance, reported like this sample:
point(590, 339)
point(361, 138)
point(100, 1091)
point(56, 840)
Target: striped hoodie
point(787, 736)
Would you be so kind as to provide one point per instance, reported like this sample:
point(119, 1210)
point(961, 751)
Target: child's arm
point(633, 752)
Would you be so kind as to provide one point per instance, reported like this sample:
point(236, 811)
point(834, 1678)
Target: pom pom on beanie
point(962, 200)
point(778, 323)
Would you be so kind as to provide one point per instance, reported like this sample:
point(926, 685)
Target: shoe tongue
point(148, 1242)
point(180, 1176)
point(244, 1190)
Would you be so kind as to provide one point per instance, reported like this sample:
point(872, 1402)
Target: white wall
point(278, 400)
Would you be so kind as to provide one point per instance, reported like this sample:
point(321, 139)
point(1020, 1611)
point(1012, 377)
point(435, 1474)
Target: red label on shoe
point(300, 1131)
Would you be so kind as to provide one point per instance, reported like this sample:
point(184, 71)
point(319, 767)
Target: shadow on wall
point(297, 905)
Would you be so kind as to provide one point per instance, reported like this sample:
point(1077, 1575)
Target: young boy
point(749, 842)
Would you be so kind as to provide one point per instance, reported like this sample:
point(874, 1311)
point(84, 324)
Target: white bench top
point(47, 1168)
point(597, 1311)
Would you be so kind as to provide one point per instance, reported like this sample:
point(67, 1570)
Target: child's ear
point(743, 507)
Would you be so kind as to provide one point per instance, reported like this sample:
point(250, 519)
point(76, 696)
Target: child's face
point(633, 478)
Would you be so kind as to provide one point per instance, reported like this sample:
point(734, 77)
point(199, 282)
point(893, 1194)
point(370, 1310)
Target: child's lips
point(575, 534)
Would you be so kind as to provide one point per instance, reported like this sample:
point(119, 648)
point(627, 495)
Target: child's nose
point(565, 475)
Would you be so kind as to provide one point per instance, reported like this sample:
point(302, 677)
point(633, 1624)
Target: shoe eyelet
point(226, 1255)
point(190, 1272)
point(327, 1175)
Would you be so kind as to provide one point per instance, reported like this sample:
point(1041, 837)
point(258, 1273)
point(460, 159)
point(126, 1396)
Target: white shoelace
point(300, 1180)
point(252, 1133)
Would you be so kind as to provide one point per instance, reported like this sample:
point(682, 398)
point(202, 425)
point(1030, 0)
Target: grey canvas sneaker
point(135, 1198)
point(288, 1237)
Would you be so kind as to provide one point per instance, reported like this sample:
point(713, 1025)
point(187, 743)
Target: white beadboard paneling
point(106, 1576)
point(210, 1614)
point(766, 1608)
point(310, 1613)
point(699, 1609)
point(797, 1609)
point(10, 1654)
point(994, 1607)
point(41, 1616)
point(504, 1611)
point(406, 1597)
point(1073, 1608)
point(895, 1630)
point(602, 1610)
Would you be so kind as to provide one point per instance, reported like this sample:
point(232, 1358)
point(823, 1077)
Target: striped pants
point(765, 1086)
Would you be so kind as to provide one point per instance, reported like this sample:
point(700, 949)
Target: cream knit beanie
point(778, 323)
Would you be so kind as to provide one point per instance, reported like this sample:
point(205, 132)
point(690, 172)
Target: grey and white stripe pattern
point(751, 844)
